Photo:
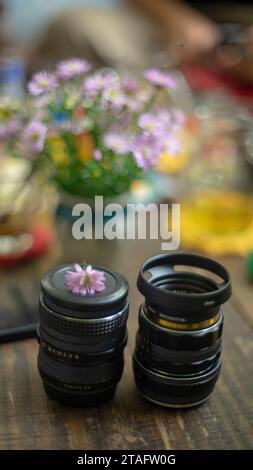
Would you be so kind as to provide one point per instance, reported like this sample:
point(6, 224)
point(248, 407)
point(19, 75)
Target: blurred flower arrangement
point(93, 132)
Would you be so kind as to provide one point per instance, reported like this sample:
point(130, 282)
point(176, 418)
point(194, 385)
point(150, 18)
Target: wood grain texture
point(29, 420)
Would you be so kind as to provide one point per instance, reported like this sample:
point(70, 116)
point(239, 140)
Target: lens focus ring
point(87, 327)
point(179, 340)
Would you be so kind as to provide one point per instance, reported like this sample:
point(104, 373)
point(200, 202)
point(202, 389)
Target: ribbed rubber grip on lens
point(82, 327)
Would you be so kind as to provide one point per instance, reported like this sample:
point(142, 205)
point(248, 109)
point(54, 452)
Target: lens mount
point(183, 296)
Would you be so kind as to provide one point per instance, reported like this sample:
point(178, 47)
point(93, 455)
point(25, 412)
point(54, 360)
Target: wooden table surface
point(29, 420)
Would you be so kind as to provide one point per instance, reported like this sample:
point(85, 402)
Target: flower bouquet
point(93, 132)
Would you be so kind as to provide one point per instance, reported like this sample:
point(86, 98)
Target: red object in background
point(203, 79)
point(43, 238)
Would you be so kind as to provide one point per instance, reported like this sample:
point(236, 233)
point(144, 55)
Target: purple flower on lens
point(160, 78)
point(9, 128)
point(33, 137)
point(151, 124)
point(97, 154)
point(42, 82)
point(98, 83)
point(85, 281)
point(116, 142)
point(146, 151)
point(71, 68)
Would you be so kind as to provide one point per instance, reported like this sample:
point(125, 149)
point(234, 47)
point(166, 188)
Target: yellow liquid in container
point(218, 222)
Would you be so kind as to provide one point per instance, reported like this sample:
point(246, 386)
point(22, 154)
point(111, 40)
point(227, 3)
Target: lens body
point(82, 339)
point(177, 357)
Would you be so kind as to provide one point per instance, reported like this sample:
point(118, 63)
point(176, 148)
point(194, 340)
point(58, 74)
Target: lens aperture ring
point(82, 327)
point(87, 374)
point(175, 390)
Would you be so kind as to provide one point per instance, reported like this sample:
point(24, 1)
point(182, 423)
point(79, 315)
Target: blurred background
point(208, 48)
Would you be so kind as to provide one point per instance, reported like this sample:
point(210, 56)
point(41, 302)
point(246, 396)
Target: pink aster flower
point(42, 82)
point(134, 104)
point(160, 78)
point(97, 154)
point(130, 85)
point(9, 128)
point(114, 98)
point(99, 82)
point(172, 146)
point(33, 137)
point(116, 142)
point(71, 68)
point(164, 117)
point(146, 151)
point(151, 124)
point(85, 281)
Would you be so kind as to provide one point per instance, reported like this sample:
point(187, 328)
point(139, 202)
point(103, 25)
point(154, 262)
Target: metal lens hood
point(184, 296)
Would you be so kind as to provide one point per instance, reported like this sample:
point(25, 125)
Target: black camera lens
point(82, 339)
point(178, 345)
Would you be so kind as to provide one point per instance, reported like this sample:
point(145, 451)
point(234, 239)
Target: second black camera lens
point(178, 345)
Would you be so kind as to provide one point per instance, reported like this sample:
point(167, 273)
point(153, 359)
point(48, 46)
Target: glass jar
point(27, 203)
point(216, 210)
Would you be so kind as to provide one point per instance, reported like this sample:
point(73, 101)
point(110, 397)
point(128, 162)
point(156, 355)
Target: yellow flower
point(172, 163)
point(58, 152)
